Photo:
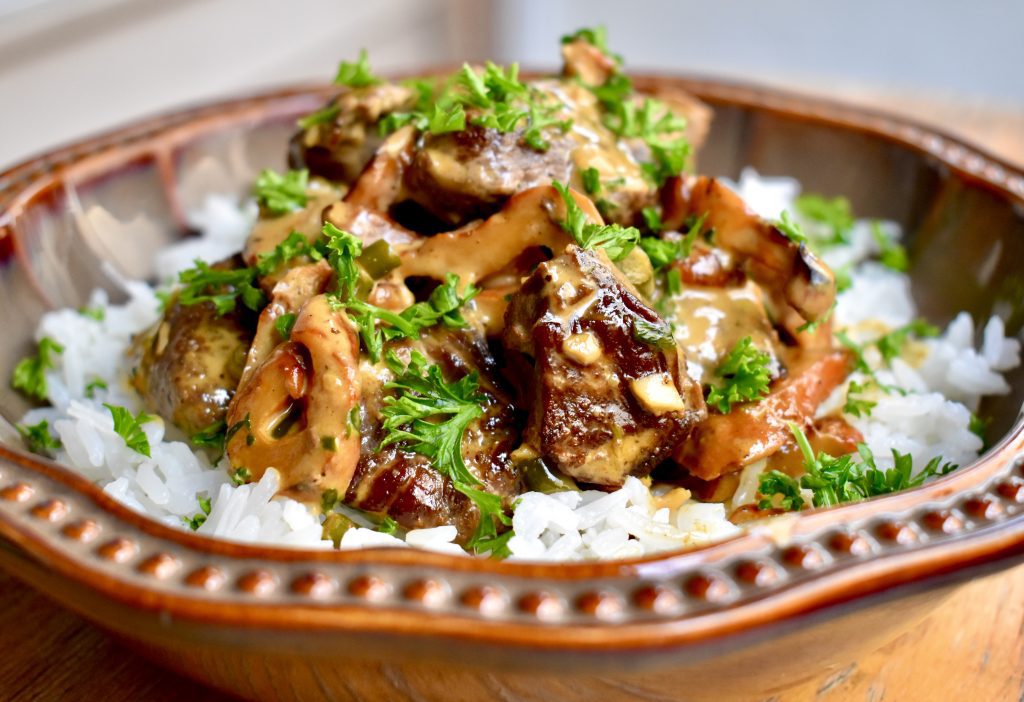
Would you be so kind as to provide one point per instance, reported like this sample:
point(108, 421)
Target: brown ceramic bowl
point(744, 617)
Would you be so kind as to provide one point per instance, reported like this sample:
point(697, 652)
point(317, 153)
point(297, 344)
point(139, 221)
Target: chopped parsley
point(592, 181)
point(834, 480)
point(616, 240)
point(38, 438)
point(357, 74)
point(745, 376)
point(343, 249)
point(652, 218)
point(212, 437)
point(223, 287)
point(129, 428)
point(596, 37)
point(674, 281)
point(94, 385)
point(833, 213)
point(663, 252)
point(199, 518)
point(241, 476)
point(857, 406)
point(29, 375)
point(280, 194)
point(890, 253)
point(812, 326)
point(328, 500)
point(387, 525)
point(429, 415)
point(284, 324)
point(97, 313)
point(321, 116)
point(891, 345)
point(791, 229)
point(442, 307)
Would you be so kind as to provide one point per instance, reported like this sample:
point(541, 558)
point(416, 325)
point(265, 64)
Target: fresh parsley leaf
point(429, 416)
point(357, 74)
point(616, 240)
point(979, 426)
point(29, 375)
point(388, 525)
point(540, 119)
point(891, 345)
point(834, 213)
point(835, 480)
point(38, 438)
point(857, 407)
point(343, 249)
point(596, 37)
point(94, 385)
point(97, 313)
point(129, 428)
point(212, 437)
point(791, 228)
point(445, 119)
point(745, 376)
point(652, 218)
point(592, 181)
point(223, 287)
point(674, 281)
point(198, 519)
point(280, 194)
point(844, 278)
point(321, 116)
point(284, 324)
point(241, 476)
point(328, 500)
point(891, 254)
point(812, 325)
point(496, 546)
point(774, 482)
point(657, 335)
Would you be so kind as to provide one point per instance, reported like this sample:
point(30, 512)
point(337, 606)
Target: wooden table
point(972, 648)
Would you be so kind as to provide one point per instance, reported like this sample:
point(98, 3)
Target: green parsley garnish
point(387, 525)
point(328, 500)
point(38, 438)
point(280, 194)
point(652, 218)
point(745, 374)
point(979, 426)
point(321, 116)
point(596, 37)
point(891, 345)
point(791, 229)
point(198, 519)
point(835, 214)
point(97, 313)
point(674, 281)
point(812, 326)
point(358, 74)
point(664, 252)
point(94, 385)
point(343, 249)
point(855, 406)
point(891, 254)
point(592, 181)
point(428, 415)
point(224, 288)
point(212, 437)
point(442, 307)
point(129, 428)
point(241, 476)
point(284, 324)
point(834, 480)
point(616, 240)
point(29, 375)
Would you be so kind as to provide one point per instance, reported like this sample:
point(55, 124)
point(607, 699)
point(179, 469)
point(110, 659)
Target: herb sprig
point(129, 428)
point(280, 194)
point(38, 438)
point(29, 374)
point(616, 240)
point(745, 376)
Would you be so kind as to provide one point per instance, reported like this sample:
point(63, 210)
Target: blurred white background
point(71, 67)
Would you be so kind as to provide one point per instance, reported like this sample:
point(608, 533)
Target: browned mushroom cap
point(292, 412)
point(791, 274)
point(529, 220)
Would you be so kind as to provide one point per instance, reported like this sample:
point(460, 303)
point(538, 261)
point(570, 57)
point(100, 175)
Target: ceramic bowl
point(748, 615)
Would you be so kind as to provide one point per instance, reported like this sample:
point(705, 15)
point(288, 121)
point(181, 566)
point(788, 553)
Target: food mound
point(475, 286)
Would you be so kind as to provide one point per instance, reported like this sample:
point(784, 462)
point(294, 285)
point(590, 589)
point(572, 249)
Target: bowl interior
point(100, 220)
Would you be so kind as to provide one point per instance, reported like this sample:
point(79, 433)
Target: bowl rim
point(801, 563)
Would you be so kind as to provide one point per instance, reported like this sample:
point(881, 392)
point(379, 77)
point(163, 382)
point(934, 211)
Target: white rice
point(945, 379)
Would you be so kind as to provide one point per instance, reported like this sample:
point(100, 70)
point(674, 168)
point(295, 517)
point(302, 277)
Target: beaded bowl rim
point(800, 563)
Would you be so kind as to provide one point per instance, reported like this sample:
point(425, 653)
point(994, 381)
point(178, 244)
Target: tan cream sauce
point(710, 321)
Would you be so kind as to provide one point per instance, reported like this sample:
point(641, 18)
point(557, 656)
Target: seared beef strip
point(604, 404)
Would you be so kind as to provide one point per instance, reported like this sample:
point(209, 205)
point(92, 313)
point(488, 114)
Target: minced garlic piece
point(584, 348)
point(657, 393)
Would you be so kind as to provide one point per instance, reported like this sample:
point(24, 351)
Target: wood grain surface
point(971, 648)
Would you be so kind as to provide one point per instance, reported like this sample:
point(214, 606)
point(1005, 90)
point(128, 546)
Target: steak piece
point(466, 175)
point(404, 485)
point(603, 403)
